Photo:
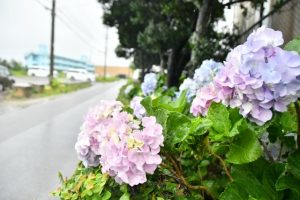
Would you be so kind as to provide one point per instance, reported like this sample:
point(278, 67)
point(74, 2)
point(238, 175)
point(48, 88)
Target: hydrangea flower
point(150, 83)
point(259, 76)
point(202, 76)
point(127, 149)
point(190, 86)
point(205, 96)
point(206, 72)
point(138, 109)
point(277, 150)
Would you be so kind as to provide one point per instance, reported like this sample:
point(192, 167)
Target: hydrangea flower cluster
point(191, 88)
point(205, 96)
point(257, 76)
point(277, 150)
point(202, 76)
point(150, 83)
point(138, 109)
point(125, 148)
point(206, 72)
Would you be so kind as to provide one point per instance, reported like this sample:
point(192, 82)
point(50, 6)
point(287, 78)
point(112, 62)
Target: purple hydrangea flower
point(258, 76)
point(138, 109)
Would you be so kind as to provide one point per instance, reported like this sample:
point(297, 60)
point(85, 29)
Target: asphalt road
point(38, 141)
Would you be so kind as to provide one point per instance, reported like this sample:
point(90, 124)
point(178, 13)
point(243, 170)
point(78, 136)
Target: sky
point(25, 24)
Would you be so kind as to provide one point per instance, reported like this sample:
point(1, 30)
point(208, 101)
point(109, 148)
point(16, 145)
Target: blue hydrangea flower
point(206, 72)
point(190, 86)
point(202, 77)
point(150, 83)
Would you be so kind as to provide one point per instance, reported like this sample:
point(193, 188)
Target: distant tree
point(13, 64)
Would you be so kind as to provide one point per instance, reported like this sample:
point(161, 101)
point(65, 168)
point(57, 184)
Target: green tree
point(177, 34)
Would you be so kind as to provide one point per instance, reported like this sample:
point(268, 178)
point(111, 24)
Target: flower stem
point(223, 163)
point(179, 175)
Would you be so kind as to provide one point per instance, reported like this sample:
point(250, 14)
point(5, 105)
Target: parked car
point(80, 75)
point(40, 72)
point(5, 79)
point(122, 76)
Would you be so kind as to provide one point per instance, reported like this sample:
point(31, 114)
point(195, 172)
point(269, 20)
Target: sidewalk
point(11, 105)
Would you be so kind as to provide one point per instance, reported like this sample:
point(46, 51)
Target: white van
point(40, 72)
point(80, 75)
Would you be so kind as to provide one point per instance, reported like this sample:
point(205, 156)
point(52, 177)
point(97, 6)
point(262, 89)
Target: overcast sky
point(25, 24)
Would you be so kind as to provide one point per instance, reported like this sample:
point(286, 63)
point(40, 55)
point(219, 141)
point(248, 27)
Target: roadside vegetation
point(101, 79)
point(15, 67)
point(230, 131)
point(55, 88)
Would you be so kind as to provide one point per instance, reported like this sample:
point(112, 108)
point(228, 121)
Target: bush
point(218, 152)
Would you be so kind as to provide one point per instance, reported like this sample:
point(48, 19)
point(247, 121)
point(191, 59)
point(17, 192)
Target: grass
point(47, 90)
point(60, 89)
point(107, 79)
point(18, 72)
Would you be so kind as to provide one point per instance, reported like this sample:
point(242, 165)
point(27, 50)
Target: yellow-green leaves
point(85, 184)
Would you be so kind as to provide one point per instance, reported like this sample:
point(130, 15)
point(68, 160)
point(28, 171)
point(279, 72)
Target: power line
point(83, 39)
point(43, 5)
point(78, 25)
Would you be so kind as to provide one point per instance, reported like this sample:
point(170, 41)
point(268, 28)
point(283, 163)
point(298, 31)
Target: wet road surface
point(38, 141)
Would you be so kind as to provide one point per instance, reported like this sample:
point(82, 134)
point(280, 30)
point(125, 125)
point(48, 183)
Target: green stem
point(221, 160)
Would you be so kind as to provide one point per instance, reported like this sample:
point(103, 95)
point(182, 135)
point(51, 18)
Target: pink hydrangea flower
point(205, 96)
point(126, 148)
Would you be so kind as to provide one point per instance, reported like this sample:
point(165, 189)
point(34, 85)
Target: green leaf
point(219, 116)
point(288, 181)
point(245, 148)
point(293, 45)
point(161, 116)
point(199, 125)
point(236, 128)
point(293, 164)
point(147, 103)
point(125, 196)
point(106, 195)
point(254, 181)
point(290, 178)
point(288, 121)
point(166, 102)
point(177, 128)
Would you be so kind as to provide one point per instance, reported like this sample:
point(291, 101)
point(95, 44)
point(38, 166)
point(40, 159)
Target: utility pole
point(105, 53)
point(52, 41)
